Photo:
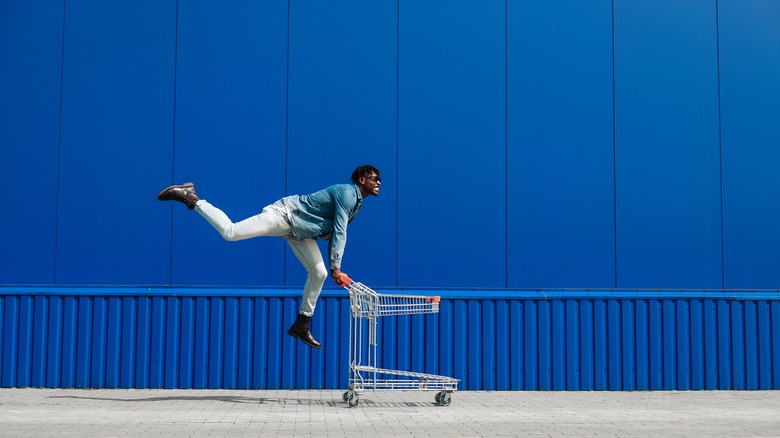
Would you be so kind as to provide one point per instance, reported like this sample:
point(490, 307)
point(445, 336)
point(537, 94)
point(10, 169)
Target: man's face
point(370, 184)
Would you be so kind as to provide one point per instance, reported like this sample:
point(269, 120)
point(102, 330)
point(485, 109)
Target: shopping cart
point(366, 306)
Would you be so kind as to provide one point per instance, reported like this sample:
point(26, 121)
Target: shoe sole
point(291, 333)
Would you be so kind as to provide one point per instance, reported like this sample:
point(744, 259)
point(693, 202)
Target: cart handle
point(345, 280)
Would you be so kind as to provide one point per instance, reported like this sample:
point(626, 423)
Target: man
point(300, 220)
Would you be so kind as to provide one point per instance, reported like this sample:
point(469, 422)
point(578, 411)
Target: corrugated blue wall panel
point(2, 337)
point(642, 346)
point(654, 347)
point(25, 342)
point(30, 92)
point(143, 343)
point(775, 354)
point(38, 344)
point(751, 347)
point(84, 315)
point(560, 160)
point(117, 131)
point(342, 114)
point(710, 345)
point(452, 144)
point(697, 345)
point(231, 339)
point(749, 41)
point(764, 346)
point(244, 344)
point(157, 342)
point(182, 318)
point(331, 332)
point(10, 340)
point(668, 221)
point(69, 337)
point(230, 137)
point(587, 350)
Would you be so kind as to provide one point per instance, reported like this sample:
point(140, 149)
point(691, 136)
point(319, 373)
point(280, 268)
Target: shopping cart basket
point(367, 305)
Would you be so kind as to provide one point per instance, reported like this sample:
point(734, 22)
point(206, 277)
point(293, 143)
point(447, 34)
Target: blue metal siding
point(775, 352)
point(230, 137)
point(481, 105)
point(91, 338)
point(749, 65)
point(117, 132)
point(509, 100)
point(30, 91)
point(560, 146)
point(343, 63)
point(452, 144)
point(667, 154)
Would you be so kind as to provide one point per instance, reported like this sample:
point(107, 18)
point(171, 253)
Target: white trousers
point(273, 221)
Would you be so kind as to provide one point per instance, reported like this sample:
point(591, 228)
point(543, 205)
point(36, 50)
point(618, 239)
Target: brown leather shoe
point(183, 193)
point(300, 330)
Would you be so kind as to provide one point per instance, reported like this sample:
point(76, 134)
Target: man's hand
point(336, 275)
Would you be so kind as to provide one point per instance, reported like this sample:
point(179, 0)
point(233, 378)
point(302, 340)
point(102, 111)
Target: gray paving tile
point(201, 413)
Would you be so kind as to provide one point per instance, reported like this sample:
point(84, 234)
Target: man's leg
point(310, 257)
point(271, 222)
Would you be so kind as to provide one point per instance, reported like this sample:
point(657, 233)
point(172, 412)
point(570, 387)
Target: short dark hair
point(363, 171)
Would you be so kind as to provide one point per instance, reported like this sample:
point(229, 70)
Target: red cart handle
point(346, 281)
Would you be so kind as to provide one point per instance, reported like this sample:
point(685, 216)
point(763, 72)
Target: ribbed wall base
point(490, 340)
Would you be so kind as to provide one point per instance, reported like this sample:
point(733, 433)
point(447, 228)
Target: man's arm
point(344, 203)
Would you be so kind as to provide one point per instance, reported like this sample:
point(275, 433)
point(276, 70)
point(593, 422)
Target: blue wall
point(750, 141)
point(556, 340)
point(604, 144)
point(560, 145)
point(610, 145)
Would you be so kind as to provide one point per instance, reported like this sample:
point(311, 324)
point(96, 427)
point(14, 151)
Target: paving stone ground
point(27, 412)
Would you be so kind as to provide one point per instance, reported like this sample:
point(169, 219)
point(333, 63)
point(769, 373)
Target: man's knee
point(319, 274)
point(229, 233)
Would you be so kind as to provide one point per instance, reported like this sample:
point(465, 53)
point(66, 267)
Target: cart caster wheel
point(352, 400)
point(345, 396)
point(443, 398)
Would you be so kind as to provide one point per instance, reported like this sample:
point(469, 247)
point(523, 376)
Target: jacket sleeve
point(344, 202)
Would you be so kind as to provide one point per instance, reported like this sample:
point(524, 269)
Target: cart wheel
point(443, 398)
point(345, 396)
point(352, 401)
point(438, 398)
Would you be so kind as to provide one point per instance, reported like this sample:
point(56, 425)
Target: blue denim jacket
point(323, 214)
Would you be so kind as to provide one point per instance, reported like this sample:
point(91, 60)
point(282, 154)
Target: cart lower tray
point(403, 380)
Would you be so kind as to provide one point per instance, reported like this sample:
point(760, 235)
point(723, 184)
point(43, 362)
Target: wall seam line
point(397, 133)
point(614, 153)
point(720, 149)
point(173, 154)
point(286, 135)
point(59, 144)
point(506, 143)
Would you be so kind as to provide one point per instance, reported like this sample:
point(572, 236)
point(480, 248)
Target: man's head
point(367, 179)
